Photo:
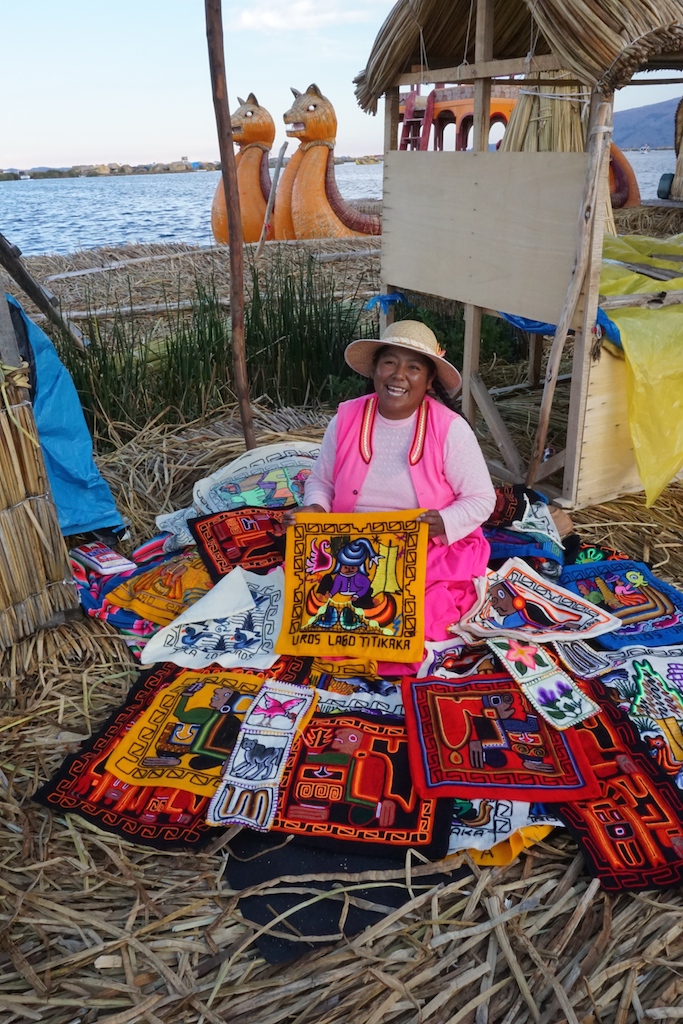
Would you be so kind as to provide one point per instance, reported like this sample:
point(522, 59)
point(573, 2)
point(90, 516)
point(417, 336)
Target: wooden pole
point(10, 259)
point(483, 51)
point(214, 36)
point(599, 136)
point(271, 201)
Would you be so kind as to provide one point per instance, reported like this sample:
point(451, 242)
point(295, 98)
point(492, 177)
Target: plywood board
point(607, 465)
point(493, 229)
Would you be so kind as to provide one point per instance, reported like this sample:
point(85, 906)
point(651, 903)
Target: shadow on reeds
point(299, 317)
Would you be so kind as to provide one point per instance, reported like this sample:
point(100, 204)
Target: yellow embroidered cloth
point(183, 738)
point(354, 586)
point(162, 593)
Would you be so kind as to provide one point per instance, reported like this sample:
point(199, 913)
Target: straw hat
point(411, 334)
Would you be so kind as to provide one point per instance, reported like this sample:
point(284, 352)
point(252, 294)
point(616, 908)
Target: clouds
point(303, 15)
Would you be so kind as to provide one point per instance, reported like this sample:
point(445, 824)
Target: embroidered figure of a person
point(208, 745)
point(348, 579)
point(518, 612)
point(363, 774)
point(503, 731)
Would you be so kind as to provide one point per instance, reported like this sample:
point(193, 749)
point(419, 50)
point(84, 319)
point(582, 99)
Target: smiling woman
point(401, 447)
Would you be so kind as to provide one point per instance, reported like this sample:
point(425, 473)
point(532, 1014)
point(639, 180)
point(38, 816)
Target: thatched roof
point(603, 42)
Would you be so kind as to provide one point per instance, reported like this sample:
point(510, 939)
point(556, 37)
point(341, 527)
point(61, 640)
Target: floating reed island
point(95, 929)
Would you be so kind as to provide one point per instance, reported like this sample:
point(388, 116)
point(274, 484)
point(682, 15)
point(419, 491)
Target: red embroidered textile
point(481, 735)
point(631, 834)
point(347, 784)
point(244, 537)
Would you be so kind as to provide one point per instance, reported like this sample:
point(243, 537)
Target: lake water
point(64, 214)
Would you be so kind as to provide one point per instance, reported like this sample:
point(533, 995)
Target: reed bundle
point(551, 118)
point(34, 566)
point(548, 118)
point(654, 221)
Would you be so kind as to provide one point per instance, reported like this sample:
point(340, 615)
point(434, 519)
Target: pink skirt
point(449, 590)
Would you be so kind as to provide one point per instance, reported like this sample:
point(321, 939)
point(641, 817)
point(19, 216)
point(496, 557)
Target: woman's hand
point(434, 521)
point(289, 518)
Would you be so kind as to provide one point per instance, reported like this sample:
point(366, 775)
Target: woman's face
point(401, 378)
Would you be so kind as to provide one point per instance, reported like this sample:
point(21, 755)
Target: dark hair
point(437, 388)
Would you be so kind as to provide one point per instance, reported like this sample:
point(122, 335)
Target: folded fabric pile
point(267, 702)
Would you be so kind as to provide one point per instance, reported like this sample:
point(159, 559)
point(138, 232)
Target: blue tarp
point(83, 499)
point(609, 328)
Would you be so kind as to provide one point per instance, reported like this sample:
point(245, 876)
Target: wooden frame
point(597, 463)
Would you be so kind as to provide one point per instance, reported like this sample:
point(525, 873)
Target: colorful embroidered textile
point(516, 601)
point(152, 549)
point(161, 817)
point(649, 688)
point(185, 736)
point(512, 501)
point(484, 824)
point(595, 553)
point(245, 538)
point(163, 592)
point(236, 623)
point(631, 835)
point(506, 543)
point(342, 668)
point(347, 785)
point(386, 701)
point(480, 736)
point(93, 593)
point(549, 690)
point(354, 585)
point(538, 524)
point(582, 660)
point(456, 659)
point(248, 793)
point(175, 526)
point(268, 477)
point(648, 611)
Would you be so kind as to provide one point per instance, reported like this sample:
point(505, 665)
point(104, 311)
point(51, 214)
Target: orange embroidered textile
point(183, 738)
point(162, 593)
point(355, 586)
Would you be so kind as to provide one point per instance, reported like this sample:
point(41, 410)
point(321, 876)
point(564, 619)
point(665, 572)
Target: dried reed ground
point(95, 929)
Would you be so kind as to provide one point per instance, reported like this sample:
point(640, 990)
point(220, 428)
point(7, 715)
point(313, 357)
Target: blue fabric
point(650, 609)
point(83, 499)
point(609, 328)
point(385, 301)
point(513, 544)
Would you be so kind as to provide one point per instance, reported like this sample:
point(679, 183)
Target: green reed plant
point(299, 317)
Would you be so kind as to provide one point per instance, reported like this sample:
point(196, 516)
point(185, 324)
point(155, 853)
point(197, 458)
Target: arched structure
point(453, 105)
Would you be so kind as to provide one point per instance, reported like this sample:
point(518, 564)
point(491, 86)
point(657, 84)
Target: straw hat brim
point(360, 357)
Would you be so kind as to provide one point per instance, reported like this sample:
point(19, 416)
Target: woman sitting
point(403, 447)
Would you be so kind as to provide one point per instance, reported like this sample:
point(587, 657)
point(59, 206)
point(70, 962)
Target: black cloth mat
point(264, 857)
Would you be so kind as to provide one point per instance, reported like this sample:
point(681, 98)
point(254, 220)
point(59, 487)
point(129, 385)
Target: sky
point(127, 81)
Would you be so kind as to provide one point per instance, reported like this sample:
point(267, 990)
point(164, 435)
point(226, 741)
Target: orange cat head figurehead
point(311, 116)
point(252, 123)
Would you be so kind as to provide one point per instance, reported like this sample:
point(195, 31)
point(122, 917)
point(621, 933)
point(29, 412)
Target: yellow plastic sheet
point(652, 341)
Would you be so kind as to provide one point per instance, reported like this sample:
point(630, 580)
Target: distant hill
point(646, 126)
